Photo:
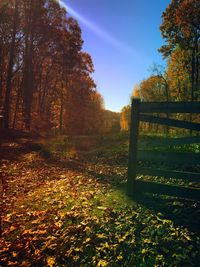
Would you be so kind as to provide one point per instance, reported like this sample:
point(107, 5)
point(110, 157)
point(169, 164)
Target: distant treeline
point(180, 79)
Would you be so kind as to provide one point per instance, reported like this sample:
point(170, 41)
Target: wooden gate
point(140, 112)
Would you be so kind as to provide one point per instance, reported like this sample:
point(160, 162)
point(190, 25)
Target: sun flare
point(97, 30)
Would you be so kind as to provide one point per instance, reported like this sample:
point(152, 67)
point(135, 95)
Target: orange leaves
point(32, 232)
point(12, 228)
point(50, 261)
point(80, 218)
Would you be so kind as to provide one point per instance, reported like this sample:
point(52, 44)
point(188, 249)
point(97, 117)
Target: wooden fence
point(140, 112)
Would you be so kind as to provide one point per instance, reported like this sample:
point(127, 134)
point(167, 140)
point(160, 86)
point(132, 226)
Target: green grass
point(73, 216)
point(102, 227)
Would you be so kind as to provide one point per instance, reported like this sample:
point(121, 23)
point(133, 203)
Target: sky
point(123, 38)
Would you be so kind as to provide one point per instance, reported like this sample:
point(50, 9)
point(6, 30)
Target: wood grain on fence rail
point(170, 122)
point(172, 190)
point(189, 176)
point(162, 157)
point(170, 107)
point(133, 143)
point(169, 157)
point(150, 142)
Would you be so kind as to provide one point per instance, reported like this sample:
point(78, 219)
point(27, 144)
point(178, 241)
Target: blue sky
point(123, 38)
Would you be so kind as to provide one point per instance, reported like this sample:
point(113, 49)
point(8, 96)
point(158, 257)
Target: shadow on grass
point(13, 150)
point(183, 212)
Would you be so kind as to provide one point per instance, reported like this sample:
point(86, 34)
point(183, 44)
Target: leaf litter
point(58, 216)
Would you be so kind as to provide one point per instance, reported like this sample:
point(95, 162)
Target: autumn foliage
point(45, 76)
point(180, 79)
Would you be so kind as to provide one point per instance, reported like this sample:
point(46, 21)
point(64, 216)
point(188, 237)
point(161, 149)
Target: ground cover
point(65, 207)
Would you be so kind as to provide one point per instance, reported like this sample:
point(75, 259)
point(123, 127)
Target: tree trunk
point(28, 75)
point(167, 114)
point(61, 114)
point(193, 75)
point(192, 80)
point(10, 70)
point(197, 67)
point(17, 106)
point(1, 76)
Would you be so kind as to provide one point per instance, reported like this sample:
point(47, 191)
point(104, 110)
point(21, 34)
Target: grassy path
point(63, 212)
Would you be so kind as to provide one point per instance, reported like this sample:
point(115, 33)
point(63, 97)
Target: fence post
point(133, 141)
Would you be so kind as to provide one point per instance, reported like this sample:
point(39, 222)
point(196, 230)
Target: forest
point(68, 163)
point(45, 76)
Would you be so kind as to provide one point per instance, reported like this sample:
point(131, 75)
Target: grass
point(72, 212)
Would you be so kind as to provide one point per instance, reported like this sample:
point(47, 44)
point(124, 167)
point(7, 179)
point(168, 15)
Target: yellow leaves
point(88, 240)
point(40, 232)
point(101, 236)
point(123, 238)
point(70, 232)
point(147, 241)
point(37, 221)
point(58, 224)
point(78, 249)
point(12, 263)
point(12, 228)
point(25, 264)
point(88, 229)
point(105, 245)
point(120, 257)
point(51, 243)
point(102, 263)
point(7, 218)
point(144, 251)
point(36, 213)
point(50, 261)
point(14, 254)
point(187, 237)
point(101, 208)
point(31, 232)
point(27, 232)
point(37, 252)
point(16, 263)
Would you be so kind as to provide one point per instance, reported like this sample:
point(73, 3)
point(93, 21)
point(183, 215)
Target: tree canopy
point(45, 76)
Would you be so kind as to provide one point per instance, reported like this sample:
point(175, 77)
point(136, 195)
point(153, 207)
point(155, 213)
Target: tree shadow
point(13, 149)
point(183, 212)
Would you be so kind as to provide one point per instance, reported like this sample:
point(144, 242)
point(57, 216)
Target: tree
point(180, 29)
point(125, 118)
point(153, 89)
point(45, 77)
point(178, 72)
point(13, 8)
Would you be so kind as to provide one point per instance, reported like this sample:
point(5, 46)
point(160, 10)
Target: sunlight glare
point(99, 32)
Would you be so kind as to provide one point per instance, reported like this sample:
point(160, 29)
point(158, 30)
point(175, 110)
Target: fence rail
point(170, 122)
point(163, 142)
point(171, 190)
point(160, 157)
point(188, 176)
point(169, 107)
point(169, 157)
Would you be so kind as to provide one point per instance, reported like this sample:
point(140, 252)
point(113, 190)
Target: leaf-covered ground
point(58, 211)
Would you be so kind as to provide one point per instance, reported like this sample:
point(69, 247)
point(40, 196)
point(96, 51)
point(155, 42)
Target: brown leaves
point(77, 218)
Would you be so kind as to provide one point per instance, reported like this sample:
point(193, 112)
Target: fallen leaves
point(70, 217)
point(50, 261)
